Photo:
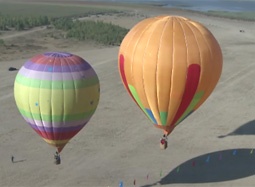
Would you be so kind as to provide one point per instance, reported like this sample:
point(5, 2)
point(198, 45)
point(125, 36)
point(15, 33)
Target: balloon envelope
point(56, 93)
point(169, 65)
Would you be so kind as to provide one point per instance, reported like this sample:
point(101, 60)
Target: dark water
point(203, 5)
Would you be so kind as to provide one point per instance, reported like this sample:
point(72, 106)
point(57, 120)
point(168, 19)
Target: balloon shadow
point(212, 167)
point(16, 161)
point(246, 129)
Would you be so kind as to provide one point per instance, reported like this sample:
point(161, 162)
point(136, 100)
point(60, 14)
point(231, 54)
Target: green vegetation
point(2, 42)
point(51, 10)
point(22, 22)
point(248, 16)
point(105, 33)
point(62, 17)
point(22, 16)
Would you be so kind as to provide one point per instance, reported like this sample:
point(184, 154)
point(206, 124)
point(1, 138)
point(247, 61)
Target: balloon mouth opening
point(166, 130)
point(58, 54)
point(60, 149)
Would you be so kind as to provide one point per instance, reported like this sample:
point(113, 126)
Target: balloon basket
point(57, 161)
point(163, 146)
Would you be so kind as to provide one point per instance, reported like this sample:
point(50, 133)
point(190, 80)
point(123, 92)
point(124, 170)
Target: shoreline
point(208, 13)
point(125, 6)
point(212, 13)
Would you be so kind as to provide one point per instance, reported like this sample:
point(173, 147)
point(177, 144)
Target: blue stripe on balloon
point(149, 112)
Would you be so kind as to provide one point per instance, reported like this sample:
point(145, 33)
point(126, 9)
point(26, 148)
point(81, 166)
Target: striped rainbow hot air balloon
point(169, 65)
point(57, 93)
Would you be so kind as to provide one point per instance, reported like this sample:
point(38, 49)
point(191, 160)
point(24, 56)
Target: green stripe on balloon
point(198, 96)
point(163, 118)
point(46, 84)
point(135, 95)
point(56, 118)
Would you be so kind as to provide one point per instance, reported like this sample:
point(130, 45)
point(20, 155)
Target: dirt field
point(213, 147)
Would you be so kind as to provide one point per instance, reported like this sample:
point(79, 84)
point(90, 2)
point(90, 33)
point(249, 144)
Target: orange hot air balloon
point(169, 65)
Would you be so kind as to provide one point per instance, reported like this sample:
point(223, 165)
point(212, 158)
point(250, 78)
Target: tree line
point(101, 32)
point(22, 22)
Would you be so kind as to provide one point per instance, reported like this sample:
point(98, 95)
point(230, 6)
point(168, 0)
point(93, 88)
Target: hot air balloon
point(57, 93)
point(169, 65)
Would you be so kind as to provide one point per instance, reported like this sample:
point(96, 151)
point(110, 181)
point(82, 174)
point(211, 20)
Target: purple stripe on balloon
point(57, 76)
point(56, 124)
point(58, 129)
point(57, 68)
point(58, 54)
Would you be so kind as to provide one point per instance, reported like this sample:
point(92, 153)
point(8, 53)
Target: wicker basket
point(164, 145)
point(57, 162)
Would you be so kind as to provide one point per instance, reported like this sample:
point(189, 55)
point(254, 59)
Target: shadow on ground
point(246, 129)
point(217, 166)
point(16, 161)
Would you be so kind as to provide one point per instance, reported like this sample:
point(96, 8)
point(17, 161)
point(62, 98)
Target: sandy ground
point(213, 147)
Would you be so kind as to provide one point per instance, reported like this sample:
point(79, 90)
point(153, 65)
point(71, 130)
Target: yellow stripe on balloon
point(56, 143)
point(45, 101)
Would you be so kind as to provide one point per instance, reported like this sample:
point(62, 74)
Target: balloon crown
point(58, 54)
